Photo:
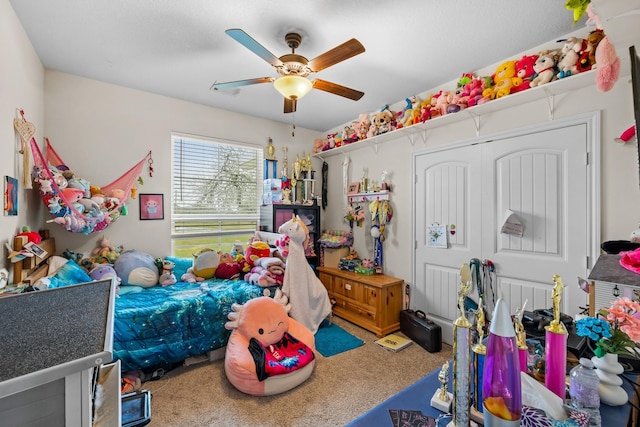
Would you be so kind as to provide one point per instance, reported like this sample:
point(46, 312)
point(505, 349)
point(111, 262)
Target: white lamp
point(292, 86)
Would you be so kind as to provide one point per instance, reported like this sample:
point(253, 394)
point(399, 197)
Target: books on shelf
point(393, 342)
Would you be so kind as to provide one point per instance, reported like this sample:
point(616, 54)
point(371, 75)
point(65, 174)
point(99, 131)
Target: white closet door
point(543, 178)
point(448, 193)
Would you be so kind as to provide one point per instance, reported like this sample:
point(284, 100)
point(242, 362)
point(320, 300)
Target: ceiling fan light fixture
point(292, 87)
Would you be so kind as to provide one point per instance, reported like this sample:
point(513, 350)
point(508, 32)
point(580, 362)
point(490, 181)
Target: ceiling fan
point(293, 69)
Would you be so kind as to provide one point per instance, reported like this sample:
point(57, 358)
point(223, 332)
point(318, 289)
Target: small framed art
point(151, 206)
point(353, 187)
point(10, 196)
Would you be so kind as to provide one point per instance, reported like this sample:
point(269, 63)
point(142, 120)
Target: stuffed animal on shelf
point(502, 80)
point(545, 68)
point(524, 73)
point(383, 121)
point(570, 57)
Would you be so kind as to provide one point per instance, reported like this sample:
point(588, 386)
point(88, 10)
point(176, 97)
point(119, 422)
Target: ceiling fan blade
point(290, 105)
point(247, 41)
point(239, 83)
point(338, 54)
point(337, 89)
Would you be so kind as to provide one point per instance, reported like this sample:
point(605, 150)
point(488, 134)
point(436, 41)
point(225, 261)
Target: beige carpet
point(341, 388)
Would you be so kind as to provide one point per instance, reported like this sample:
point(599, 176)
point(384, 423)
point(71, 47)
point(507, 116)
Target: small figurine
point(443, 377)
point(285, 162)
point(286, 194)
point(271, 150)
point(556, 296)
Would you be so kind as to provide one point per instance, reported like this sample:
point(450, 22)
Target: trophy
point(461, 355)
point(442, 399)
point(556, 345)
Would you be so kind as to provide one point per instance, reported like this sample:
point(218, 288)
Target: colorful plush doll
point(266, 344)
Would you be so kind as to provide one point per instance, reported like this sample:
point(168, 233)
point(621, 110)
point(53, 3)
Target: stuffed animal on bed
point(228, 268)
point(267, 271)
point(309, 300)
point(267, 345)
point(137, 268)
point(205, 263)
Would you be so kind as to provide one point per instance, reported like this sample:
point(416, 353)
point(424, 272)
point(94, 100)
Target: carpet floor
point(341, 388)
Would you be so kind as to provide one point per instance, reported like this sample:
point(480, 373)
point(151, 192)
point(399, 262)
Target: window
point(216, 190)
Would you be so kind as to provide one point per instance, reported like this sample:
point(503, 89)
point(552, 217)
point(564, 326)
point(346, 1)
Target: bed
point(161, 326)
point(157, 326)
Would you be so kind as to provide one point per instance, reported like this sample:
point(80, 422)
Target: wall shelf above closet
point(418, 132)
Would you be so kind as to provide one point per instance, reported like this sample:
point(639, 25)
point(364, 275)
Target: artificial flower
point(617, 330)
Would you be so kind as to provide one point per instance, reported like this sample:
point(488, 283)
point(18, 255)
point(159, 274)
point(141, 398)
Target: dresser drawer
point(347, 288)
point(365, 313)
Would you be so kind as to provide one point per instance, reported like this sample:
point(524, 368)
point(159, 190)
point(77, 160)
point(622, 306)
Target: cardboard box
point(332, 256)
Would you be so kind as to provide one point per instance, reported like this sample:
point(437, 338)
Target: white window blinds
point(216, 188)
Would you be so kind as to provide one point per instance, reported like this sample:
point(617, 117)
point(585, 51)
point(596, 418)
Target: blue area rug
point(331, 339)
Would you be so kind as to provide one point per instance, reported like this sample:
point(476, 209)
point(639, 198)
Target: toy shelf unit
point(273, 216)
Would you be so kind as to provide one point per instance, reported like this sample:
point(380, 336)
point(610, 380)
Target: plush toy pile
point(575, 55)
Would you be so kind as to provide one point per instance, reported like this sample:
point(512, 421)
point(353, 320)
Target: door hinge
point(588, 262)
point(416, 179)
point(586, 158)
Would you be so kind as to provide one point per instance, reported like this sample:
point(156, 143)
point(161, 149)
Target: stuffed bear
point(524, 73)
point(502, 80)
point(383, 121)
point(569, 57)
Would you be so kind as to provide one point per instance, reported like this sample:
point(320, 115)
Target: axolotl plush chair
point(268, 352)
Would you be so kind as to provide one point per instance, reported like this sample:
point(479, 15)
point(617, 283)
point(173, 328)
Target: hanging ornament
point(150, 162)
point(26, 131)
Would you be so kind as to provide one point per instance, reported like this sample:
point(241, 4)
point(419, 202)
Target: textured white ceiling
point(179, 48)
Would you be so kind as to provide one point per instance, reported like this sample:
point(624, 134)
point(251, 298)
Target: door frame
point(593, 142)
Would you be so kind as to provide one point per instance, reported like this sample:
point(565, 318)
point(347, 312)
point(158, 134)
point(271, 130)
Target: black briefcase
point(421, 330)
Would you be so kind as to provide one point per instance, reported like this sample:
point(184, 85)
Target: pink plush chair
point(268, 352)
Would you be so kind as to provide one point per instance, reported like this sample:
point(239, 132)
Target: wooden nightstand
point(372, 302)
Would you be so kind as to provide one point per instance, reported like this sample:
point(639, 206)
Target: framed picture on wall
point(151, 206)
point(353, 187)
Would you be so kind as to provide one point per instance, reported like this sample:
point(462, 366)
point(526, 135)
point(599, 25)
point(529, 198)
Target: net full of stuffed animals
point(76, 204)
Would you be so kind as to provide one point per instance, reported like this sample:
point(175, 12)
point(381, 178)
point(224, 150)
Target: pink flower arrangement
point(617, 332)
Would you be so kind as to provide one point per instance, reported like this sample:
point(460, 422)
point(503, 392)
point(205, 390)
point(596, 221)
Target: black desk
point(418, 397)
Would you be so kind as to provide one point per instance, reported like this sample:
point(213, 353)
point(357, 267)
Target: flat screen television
point(635, 82)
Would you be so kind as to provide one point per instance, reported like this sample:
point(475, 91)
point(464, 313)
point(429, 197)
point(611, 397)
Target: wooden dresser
point(371, 302)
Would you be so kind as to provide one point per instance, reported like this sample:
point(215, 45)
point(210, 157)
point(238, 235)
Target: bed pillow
point(69, 273)
point(181, 265)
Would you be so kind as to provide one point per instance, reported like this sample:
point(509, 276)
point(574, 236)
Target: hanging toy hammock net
point(76, 204)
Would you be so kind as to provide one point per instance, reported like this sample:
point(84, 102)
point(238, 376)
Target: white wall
point(21, 86)
point(101, 130)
